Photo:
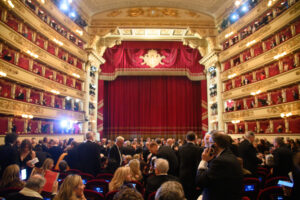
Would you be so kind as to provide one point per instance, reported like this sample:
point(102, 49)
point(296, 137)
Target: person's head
point(135, 168)
point(26, 145)
point(153, 148)
point(36, 183)
point(128, 194)
point(161, 166)
point(10, 174)
point(63, 165)
point(90, 136)
point(250, 136)
point(278, 142)
point(45, 140)
point(127, 159)
point(71, 188)
point(170, 190)
point(207, 138)
point(48, 164)
point(10, 138)
point(219, 141)
point(191, 136)
point(121, 175)
point(169, 142)
point(119, 141)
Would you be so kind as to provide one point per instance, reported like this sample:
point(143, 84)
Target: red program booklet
point(50, 177)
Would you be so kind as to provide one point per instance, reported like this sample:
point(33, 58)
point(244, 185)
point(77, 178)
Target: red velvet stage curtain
point(152, 106)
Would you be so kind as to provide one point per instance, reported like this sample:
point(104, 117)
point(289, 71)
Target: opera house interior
point(149, 69)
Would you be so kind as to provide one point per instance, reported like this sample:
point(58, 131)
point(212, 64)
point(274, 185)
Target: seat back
point(151, 196)
point(138, 186)
point(98, 185)
point(92, 195)
point(73, 171)
point(105, 176)
point(251, 188)
point(4, 192)
point(271, 193)
point(86, 177)
point(110, 195)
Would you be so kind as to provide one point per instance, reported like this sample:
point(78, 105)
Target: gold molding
point(14, 107)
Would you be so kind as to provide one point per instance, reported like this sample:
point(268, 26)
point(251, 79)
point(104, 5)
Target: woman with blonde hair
point(71, 189)
point(121, 176)
point(47, 165)
point(135, 170)
point(11, 177)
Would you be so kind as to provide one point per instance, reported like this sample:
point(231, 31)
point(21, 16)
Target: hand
point(55, 187)
point(207, 154)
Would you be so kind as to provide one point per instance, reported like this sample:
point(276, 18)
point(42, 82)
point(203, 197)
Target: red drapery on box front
point(175, 59)
point(49, 74)
point(153, 106)
point(227, 65)
point(24, 62)
point(252, 126)
point(59, 78)
point(33, 126)
point(34, 97)
point(3, 125)
point(19, 123)
point(294, 125)
point(51, 48)
point(291, 93)
point(274, 69)
point(5, 89)
point(12, 22)
point(257, 49)
point(230, 127)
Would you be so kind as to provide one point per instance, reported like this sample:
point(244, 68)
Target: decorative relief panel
point(278, 81)
point(264, 112)
point(262, 33)
point(9, 106)
point(46, 30)
point(263, 59)
point(20, 75)
point(21, 43)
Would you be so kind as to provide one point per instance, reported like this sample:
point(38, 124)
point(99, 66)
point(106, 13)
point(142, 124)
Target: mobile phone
point(285, 183)
point(248, 188)
point(212, 150)
point(98, 189)
point(84, 181)
point(107, 181)
point(23, 174)
point(133, 185)
point(46, 198)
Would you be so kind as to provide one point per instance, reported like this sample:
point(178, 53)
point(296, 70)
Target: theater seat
point(98, 185)
point(86, 176)
point(7, 191)
point(152, 196)
point(271, 193)
point(105, 176)
point(251, 188)
point(110, 195)
point(274, 181)
point(92, 195)
point(73, 171)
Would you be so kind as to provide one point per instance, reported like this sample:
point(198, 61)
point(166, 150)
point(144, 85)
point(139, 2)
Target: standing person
point(189, 159)
point(283, 158)
point(8, 154)
point(55, 150)
point(26, 156)
point(167, 153)
point(248, 153)
point(115, 153)
point(89, 155)
point(223, 178)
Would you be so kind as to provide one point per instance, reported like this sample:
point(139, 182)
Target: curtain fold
point(153, 106)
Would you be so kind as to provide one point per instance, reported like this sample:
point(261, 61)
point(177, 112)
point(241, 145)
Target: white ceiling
point(211, 7)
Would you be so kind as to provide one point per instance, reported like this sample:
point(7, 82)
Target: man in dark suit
point(161, 168)
point(89, 155)
point(115, 154)
point(248, 153)
point(189, 158)
point(223, 178)
point(55, 151)
point(167, 153)
point(283, 158)
point(128, 149)
point(8, 153)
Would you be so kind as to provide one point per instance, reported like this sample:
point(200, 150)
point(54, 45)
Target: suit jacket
point(248, 153)
point(129, 150)
point(55, 152)
point(167, 153)
point(189, 157)
point(223, 179)
point(114, 157)
point(283, 161)
point(89, 157)
point(8, 156)
point(154, 182)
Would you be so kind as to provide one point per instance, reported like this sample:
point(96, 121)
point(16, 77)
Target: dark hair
point(10, 138)
point(25, 143)
point(190, 136)
point(158, 141)
point(128, 194)
point(279, 141)
point(220, 139)
point(63, 165)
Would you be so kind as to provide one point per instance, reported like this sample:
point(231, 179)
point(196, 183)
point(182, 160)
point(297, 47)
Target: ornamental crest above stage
point(152, 58)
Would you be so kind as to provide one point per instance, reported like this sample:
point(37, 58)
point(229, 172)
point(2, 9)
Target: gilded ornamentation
point(226, 94)
point(135, 12)
point(50, 84)
point(16, 107)
point(170, 12)
point(8, 70)
point(114, 13)
point(291, 107)
point(104, 43)
point(239, 114)
point(196, 43)
point(258, 86)
point(152, 58)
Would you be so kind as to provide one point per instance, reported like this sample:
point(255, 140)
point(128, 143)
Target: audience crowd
point(210, 168)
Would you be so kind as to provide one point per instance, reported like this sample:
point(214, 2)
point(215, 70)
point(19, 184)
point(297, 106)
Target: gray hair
point(162, 165)
point(249, 134)
point(119, 138)
point(35, 182)
point(170, 190)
